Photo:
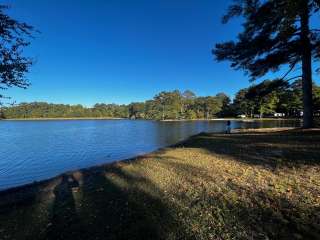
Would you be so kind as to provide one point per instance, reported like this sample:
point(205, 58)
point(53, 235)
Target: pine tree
point(276, 34)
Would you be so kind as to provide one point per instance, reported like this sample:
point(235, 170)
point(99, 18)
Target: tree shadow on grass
point(112, 203)
point(265, 215)
point(240, 211)
point(23, 210)
point(97, 203)
point(10, 217)
point(272, 150)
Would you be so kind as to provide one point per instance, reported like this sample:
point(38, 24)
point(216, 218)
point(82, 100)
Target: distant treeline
point(264, 99)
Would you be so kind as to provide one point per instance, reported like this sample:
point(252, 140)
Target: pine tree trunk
point(306, 68)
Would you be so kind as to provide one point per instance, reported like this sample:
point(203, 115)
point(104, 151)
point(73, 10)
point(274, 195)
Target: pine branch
point(292, 78)
point(290, 70)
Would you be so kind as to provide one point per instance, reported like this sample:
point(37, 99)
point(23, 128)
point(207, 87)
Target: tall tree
point(14, 37)
point(171, 104)
point(316, 99)
point(242, 105)
point(276, 33)
point(136, 110)
point(224, 105)
point(265, 95)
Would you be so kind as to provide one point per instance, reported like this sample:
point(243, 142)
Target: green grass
point(253, 185)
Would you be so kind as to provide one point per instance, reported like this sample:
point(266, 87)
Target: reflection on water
point(36, 150)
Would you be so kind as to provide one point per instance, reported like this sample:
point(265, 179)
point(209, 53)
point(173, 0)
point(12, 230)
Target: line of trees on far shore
point(269, 98)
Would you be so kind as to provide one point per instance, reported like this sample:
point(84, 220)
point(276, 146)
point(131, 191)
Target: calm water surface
point(36, 150)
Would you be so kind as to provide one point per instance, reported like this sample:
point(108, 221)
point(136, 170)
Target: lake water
point(36, 150)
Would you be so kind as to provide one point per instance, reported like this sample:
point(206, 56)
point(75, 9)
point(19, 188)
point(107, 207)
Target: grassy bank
point(231, 119)
point(166, 120)
point(248, 185)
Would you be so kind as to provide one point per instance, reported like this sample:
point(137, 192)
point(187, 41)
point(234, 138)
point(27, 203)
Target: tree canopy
point(263, 99)
point(14, 37)
point(165, 105)
point(269, 97)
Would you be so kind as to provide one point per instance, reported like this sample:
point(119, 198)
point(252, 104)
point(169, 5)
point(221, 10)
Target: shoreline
point(232, 119)
point(50, 119)
point(22, 187)
point(166, 120)
point(128, 160)
point(206, 185)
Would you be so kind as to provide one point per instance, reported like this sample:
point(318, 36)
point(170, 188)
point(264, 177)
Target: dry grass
point(252, 185)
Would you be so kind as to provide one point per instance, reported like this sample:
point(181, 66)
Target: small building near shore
point(279, 114)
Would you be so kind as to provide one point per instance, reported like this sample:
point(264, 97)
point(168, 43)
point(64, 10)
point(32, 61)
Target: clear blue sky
point(121, 51)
